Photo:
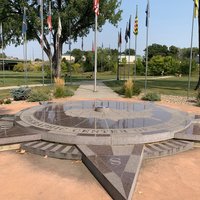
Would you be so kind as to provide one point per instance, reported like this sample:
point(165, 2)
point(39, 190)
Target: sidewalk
point(86, 90)
point(13, 87)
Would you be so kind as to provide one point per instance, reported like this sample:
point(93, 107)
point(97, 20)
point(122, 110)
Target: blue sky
point(170, 24)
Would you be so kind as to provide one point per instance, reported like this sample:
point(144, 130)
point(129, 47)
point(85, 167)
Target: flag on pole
point(135, 31)
point(147, 14)
point(96, 6)
point(126, 33)
point(119, 38)
point(129, 28)
point(24, 23)
point(82, 44)
point(93, 47)
point(59, 27)
point(49, 21)
point(196, 8)
point(1, 34)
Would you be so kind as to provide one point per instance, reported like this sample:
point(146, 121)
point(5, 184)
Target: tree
point(89, 61)
point(78, 54)
point(166, 65)
point(132, 52)
point(78, 15)
point(2, 55)
point(174, 51)
point(157, 49)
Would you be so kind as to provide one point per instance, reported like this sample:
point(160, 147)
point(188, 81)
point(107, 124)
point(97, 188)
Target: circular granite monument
point(103, 122)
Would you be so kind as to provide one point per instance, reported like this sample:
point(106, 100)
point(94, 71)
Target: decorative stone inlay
point(120, 118)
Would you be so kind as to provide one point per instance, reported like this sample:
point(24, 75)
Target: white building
point(68, 58)
point(126, 57)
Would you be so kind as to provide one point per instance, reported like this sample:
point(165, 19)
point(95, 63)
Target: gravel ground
point(178, 99)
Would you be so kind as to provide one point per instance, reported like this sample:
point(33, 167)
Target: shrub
point(198, 98)
point(59, 90)
point(151, 96)
point(128, 87)
point(76, 67)
point(59, 82)
point(19, 67)
point(7, 101)
point(21, 93)
point(1, 101)
point(135, 90)
point(39, 94)
point(68, 92)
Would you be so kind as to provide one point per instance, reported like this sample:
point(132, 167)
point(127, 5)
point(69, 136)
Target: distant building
point(68, 58)
point(122, 57)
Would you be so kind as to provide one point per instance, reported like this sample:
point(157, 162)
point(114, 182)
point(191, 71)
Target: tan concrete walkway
point(86, 90)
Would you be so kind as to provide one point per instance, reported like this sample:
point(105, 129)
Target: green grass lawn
point(170, 86)
point(17, 78)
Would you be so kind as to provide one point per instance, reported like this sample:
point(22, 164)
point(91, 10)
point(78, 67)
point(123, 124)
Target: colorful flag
point(1, 34)
point(82, 44)
point(59, 27)
point(147, 14)
point(196, 8)
point(93, 47)
point(129, 28)
point(135, 31)
point(96, 6)
point(119, 39)
point(24, 23)
point(126, 33)
point(49, 21)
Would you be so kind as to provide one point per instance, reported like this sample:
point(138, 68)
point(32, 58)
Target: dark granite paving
point(166, 148)
point(115, 167)
point(105, 134)
point(11, 133)
point(51, 149)
point(190, 133)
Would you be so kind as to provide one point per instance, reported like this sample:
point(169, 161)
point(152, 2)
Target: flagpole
point(135, 66)
point(125, 64)
point(118, 45)
point(2, 43)
point(120, 51)
point(129, 49)
point(146, 69)
point(109, 57)
point(25, 49)
point(42, 34)
point(191, 45)
point(147, 37)
point(95, 58)
point(70, 52)
point(26, 73)
point(51, 60)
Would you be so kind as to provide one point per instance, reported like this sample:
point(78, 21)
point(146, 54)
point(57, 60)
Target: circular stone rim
point(94, 136)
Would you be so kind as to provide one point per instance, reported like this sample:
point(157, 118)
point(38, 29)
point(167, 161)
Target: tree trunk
point(56, 59)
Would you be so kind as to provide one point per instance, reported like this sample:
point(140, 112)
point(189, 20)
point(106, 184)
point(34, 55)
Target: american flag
point(96, 7)
point(49, 22)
